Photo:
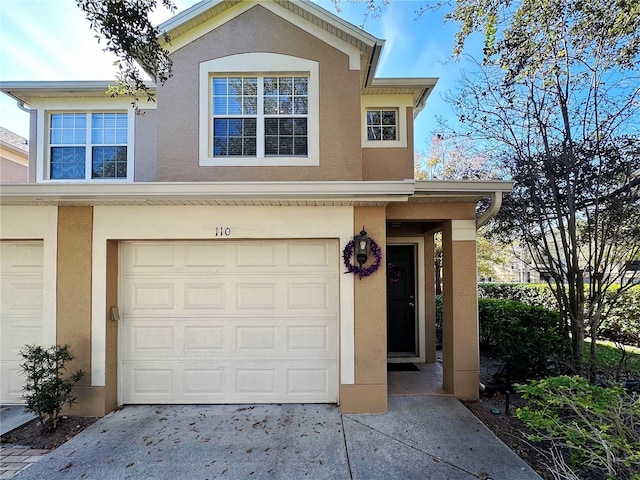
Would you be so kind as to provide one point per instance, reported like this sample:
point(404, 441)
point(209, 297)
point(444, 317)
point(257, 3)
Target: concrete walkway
point(420, 438)
point(13, 416)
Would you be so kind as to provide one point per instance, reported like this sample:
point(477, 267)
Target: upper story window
point(382, 125)
point(384, 120)
point(88, 146)
point(269, 118)
point(260, 116)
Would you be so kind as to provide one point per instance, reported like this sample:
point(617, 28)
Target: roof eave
point(23, 91)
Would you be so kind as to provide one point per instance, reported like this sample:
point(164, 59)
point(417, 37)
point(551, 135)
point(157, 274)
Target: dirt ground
point(30, 434)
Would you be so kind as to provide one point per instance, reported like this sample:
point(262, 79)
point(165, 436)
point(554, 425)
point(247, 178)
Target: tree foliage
point(598, 426)
point(454, 157)
point(557, 99)
point(128, 32)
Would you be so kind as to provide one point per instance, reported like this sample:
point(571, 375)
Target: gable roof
point(11, 140)
point(364, 49)
point(315, 20)
point(306, 10)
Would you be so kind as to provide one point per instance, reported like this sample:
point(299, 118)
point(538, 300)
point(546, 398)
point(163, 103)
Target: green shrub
point(534, 294)
point(529, 334)
point(45, 390)
point(622, 323)
point(599, 427)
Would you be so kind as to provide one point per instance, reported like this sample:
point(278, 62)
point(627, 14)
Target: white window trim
point(396, 125)
point(386, 102)
point(259, 64)
point(43, 145)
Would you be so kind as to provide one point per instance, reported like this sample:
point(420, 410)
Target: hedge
point(528, 333)
point(621, 324)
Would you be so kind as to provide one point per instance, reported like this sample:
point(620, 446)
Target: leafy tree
point(556, 99)
point(127, 30)
point(455, 157)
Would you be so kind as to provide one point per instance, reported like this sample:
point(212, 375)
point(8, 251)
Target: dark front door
point(401, 303)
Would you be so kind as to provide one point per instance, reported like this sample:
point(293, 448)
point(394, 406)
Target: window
point(259, 109)
point(88, 146)
point(260, 116)
point(382, 125)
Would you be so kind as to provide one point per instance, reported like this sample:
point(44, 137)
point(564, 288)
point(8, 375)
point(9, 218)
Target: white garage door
point(20, 311)
point(229, 322)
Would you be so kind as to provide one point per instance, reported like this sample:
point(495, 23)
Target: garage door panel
point(23, 257)
point(239, 258)
point(231, 382)
point(308, 254)
point(232, 327)
point(21, 296)
point(12, 382)
point(175, 295)
point(204, 295)
point(203, 339)
point(17, 334)
point(235, 338)
point(200, 256)
point(150, 256)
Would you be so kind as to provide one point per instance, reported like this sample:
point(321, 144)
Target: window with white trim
point(382, 125)
point(260, 116)
point(259, 109)
point(88, 146)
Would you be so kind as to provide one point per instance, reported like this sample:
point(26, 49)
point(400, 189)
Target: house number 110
point(223, 231)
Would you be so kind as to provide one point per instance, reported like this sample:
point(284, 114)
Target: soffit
point(26, 91)
point(250, 193)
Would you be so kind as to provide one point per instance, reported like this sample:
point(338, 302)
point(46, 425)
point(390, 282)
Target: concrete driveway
point(419, 438)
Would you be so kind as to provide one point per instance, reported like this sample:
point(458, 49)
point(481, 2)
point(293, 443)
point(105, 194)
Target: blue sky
point(51, 40)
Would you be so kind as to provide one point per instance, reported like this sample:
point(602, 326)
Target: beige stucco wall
point(431, 211)
point(254, 31)
point(369, 393)
point(460, 347)
point(111, 333)
point(390, 163)
point(75, 226)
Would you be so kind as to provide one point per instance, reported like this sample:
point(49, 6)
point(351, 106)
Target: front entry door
point(401, 301)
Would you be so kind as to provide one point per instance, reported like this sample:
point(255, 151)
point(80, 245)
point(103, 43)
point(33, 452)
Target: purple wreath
point(347, 253)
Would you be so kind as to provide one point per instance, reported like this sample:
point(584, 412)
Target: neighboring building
point(14, 157)
point(192, 253)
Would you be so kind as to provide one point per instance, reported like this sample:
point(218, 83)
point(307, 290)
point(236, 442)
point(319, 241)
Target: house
point(195, 250)
point(13, 157)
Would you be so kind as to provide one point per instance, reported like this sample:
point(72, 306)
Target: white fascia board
point(404, 82)
point(462, 187)
point(181, 33)
point(317, 11)
point(187, 15)
point(212, 191)
point(422, 87)
point(349, 28)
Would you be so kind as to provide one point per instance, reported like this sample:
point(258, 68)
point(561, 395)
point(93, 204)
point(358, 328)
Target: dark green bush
point(46, 391)
point(534, 294)
point(529, 334)
point(621, 323)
